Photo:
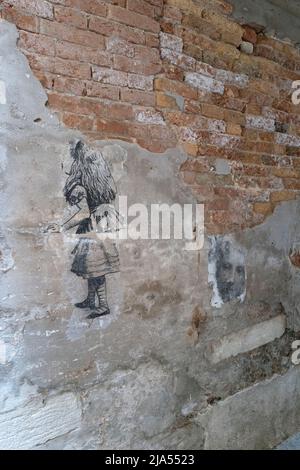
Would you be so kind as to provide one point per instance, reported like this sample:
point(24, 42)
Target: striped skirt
point(95, 258)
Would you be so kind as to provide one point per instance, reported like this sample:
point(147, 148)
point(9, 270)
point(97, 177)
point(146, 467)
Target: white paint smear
point(2, 92)
point(248, 339)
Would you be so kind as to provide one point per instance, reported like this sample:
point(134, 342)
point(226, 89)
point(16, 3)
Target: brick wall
point(167, 73)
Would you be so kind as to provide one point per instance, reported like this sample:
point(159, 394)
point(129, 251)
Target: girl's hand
point(52, 228)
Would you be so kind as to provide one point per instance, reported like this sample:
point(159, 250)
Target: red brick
point(102, 26)
point(94, 7)
point(218, 204)
point(249, 34)
point(112, 128)
point(70, 86)
point(21, 19)
point(140, 82)
point(166, 101)
point(142, 7)
point(285, 195)
point(189, 177)
point(108, 28)
point(37, 43)
point(71, 16)
point(134, 35)
point(155, 146)
point(102, 91)
point(192, 106)
point(167, 27)
point(72, 69)
point(173, 72)
point(147, 54)
point(172, 13)
point(262, 86)
point(109, 76)
point(291, 183)
point(225, 7)
point(196, 165)
point(74, 104)
point(46, 79)
point(75, 121)
point(212, 111)
point(163, 84)
point(138, 97)
point(230, 30)
point(88, 106)
point(152, 40)
point(116, 45)
point(127, 65)
point(234, 117)
point(194, 51)
point(233, 129)
point(67, 50)
point(204, 27)
point(41, 8)
point(285, 172)
point(71, 34)
point(59, 66)
point(153, 132)
point(119, 111)
point(190, 149)
point(265, 208)
point(133, 19)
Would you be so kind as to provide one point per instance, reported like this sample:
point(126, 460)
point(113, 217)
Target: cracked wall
point(195, 342)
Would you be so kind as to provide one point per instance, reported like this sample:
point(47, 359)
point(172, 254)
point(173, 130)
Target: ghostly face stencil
point(227, 273)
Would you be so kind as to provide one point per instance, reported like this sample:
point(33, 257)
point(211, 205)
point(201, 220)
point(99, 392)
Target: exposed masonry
point(145, 71)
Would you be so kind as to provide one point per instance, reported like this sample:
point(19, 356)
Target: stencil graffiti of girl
point(91, 188)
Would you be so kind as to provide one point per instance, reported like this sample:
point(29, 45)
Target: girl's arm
point(71, 221)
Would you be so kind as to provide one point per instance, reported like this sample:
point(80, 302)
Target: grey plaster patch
point(222, 167)
point(179, 99)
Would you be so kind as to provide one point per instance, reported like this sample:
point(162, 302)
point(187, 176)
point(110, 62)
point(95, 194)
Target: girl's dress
point(94, 258)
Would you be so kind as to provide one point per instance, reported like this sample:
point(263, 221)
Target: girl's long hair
point(90, 170)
